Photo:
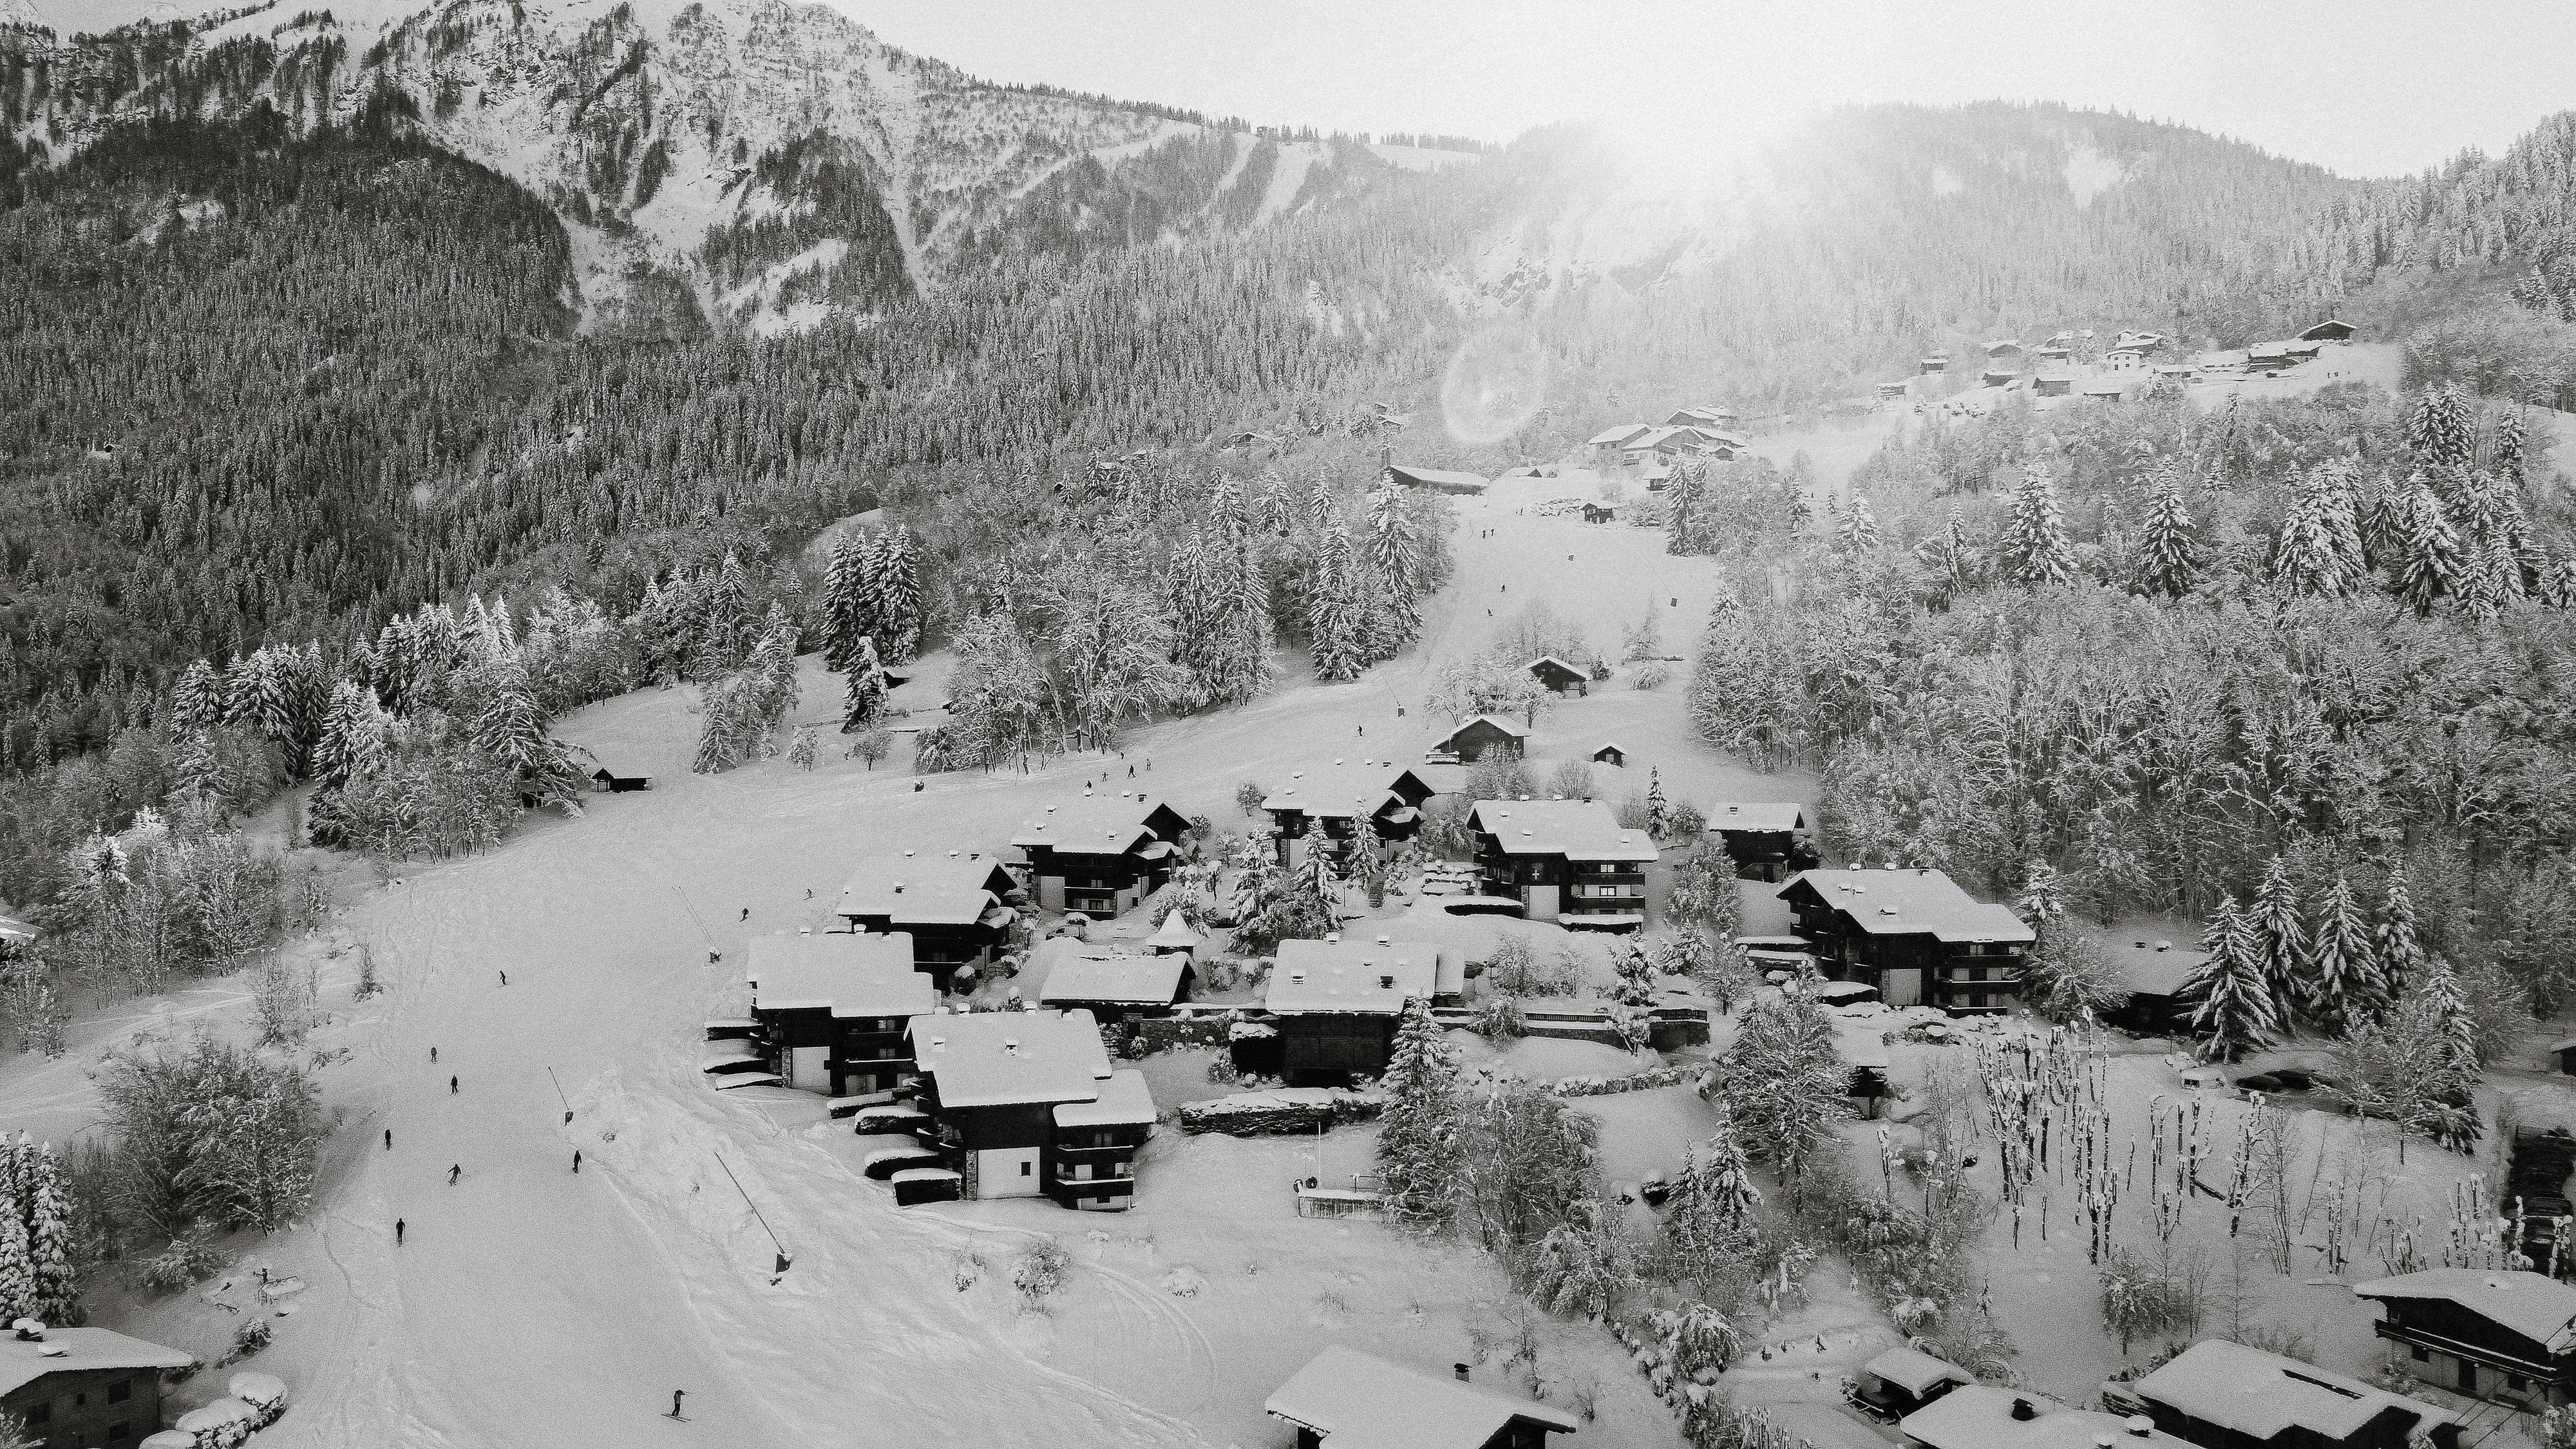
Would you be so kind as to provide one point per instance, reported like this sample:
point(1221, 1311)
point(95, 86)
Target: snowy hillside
point(778, 159)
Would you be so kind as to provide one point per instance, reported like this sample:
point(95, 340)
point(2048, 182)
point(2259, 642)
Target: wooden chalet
point(1101, 854)
point(952, 904)
point(2055, 352)
point(2223, 1395)
point(1983, 1416)
point(1568, 861)
point(1339, 804)
point(2269, 356)
point(2155, 972)
point(1934, 365)
point(2125, 359)
point(1344, 1399)
point(1999, 376)
point(1438, 480)
point(2003, 347)
point(1610, 754)
point(1913, 934)
point(2333, 329)
point(2109, 389)
point(1767, 839)
point(2052, 384)
point(83, 1386)
point(832, 1009)
point(1902, 1380)
point(2484, 1332)
point(1894, 391)
point(1111, 985)
point(1335, 1001)
point(1558, 676)
point(1025, 1104)
point(1485, 734)
point(617, 784)
point(1711, 417)
point(1611, 440)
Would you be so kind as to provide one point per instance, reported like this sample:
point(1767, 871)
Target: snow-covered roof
point(1910, 903)
point(935, 889)
point(1123, 1102)
point(2151, 968)
point(1820, 1425)
point(1079, 974)
point(2105, 387)
point(1443, 478)
point(1357, 789)
point(1101, 824)
point(1916, 1371)
point(2539, 1308)
point(1705, 416)
point(847, 973)
point(1494, 720)
point(1620, 434)
point(1766, 815)
point(71, 1350)
point(1174, 934)
point(1545, 662)
point(1362, 977)
point(2260, 1394)
point(1354, 1400)
point(1574, 829)
point(996, 1058)
point(1980, 1416)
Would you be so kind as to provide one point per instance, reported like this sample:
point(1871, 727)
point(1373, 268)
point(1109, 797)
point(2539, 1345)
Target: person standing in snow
point(451, 1086)
point(433, 1056)
point(398, 1232)
point(576, 1162)
point(389, 1139)
point(505, 978)
point(454, 1171)
point(676, 1396)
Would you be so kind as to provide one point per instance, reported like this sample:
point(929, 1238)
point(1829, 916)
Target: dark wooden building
point(1558, 675)
point(1610, 755)
point(2483, 1332)
point(952, 904)
point(1983, 1416)
point(1025, 1104)
point(2223, 1395)
point(1902, 1380)
point(2331, 330)
point(1767, 839)
point(1438, 480)
point(1913, 934)
point(1567, 861)
point(1112, 987)
point(1485, 734)
point(1344, 1399)
point(2155, 973)
point(833, 1007)
point(1710, 417)
point(1101, 854)
point(1336, 1001)
point(78, 1387)
point(1335, 804)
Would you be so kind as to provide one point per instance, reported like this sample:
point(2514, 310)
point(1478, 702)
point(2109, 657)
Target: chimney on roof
point(1383, 941)
point(1462, 1372)
point(1333, 936)
point(1298, 975)
point(804, 930)
point(29, 1330)
point(1010, 1046)
point(1385, 982)
point(952, 855)
point(2139, 1425)
point(2023, 1409)
point(907, 855)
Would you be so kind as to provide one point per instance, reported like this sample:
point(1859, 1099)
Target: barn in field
point(2333, 329)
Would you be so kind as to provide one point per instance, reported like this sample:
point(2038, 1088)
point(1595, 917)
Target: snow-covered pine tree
point(2396, 940)
point(1417, 1146)
point(724, 628)
point(895, 568)
point(1953, 557)
point(1395, 558)
point(1659, 811)
point(863, 703)
point(2505, 449)
point(849, 601)
point(2342, 968)
point(2557, 587)
point(2281, 941)
point(1689, 519)
point(2338, 503)
point(197, 703)
point(2441, 989)
point(2169, 557)
point(2428, 551)
point(2304, 557)
point(509, 724)
point(353, 736)
point(2037, 552)
point(56, 1282)
point(1708, 1221)
point(17, 1264)
point(2233, 1006)
point(1190, 601)
point(1333, 624)
point(1857, 532)
point(2439, 429)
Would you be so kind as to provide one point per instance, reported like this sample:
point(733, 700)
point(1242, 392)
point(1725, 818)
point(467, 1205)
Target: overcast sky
point(2368, 87)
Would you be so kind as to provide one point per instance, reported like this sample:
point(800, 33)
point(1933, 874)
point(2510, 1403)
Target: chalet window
point(42, 1413)
point(80, 1400)
point(1100, 1202)
point(2514, 1383)
point(1024, 1168)
point(120, 1391)
point(120, 1431)
point(2421, 1354)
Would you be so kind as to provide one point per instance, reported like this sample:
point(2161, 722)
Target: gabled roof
point(2105, 387)
point(1707, 415)
point(1124, 1101)
point(1766, 815)
point(1002, 1058)
point(1980, 1416)
point(1359, 977)
point(2151, 969)
point(1437, 478)
point(1909, 903)
point(1574, 829)
point(1103, 824)
point(1079, 974)
point(1354, 789)
point(1174, 934)
point(2331, 328)
point(71, 1350)
point(911, 888)
point(2539, 1308)
point(1545, 664)
point(1621, 434)
point(13, 929)
point(1494, 721)
point(1914, 1370)
point(2262, 1394)
point(1354, 1400)
point(841, 972)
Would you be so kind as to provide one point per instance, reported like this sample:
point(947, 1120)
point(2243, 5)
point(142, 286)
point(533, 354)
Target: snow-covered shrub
point(190, 1258)
point(265, 1393)
point(1499, 1018)
point(1040, 1271)
point(253, 1335)
point(1650, 675)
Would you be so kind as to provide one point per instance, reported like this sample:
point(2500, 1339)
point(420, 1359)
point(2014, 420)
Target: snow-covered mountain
point(780, 159)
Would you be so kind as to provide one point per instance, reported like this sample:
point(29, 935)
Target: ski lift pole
point(559, 1095)
point(783, 1260)
point(703, 933)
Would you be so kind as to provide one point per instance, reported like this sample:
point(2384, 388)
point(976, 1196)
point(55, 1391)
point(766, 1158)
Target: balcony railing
point(1080, 1186)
